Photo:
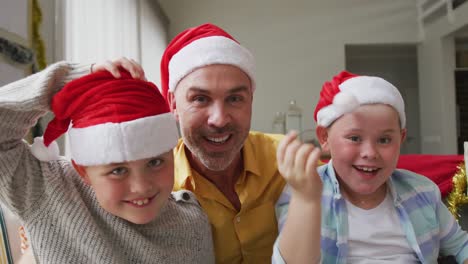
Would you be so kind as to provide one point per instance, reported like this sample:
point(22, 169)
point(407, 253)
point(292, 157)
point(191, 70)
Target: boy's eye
point(119, 171)
point(385, 140)
point(155, 162)
point(354, 138)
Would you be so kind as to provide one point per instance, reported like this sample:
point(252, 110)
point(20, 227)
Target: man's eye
point(354, 138)
point(155, 162)
point(200, 99)
point(235, 99)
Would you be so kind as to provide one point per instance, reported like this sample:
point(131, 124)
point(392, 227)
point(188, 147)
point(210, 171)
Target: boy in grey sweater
point(112, 203)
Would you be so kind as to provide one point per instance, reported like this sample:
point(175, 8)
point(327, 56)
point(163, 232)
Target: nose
point(369, 150)
point(219, 115)
point(141, 183)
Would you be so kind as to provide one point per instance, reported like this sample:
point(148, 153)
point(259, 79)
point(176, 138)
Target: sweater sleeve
point(22, 103)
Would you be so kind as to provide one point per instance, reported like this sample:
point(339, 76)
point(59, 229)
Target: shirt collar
point(328, 171)
point(251, 164)
point(182, 167)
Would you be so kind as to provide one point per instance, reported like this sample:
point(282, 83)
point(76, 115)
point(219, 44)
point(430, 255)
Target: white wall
point(298, 44)
point(436, 63)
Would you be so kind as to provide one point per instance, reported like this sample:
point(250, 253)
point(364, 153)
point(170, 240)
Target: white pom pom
point(43, 153)
point(346, 102)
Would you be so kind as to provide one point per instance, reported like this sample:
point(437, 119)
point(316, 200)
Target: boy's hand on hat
point(297, 162)
point(133, 67)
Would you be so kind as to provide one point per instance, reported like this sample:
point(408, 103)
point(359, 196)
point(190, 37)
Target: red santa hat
point(201, 46)
point(346, 91)
point(109, 120)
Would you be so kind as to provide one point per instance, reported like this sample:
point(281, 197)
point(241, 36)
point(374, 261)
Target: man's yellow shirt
point(244, 236)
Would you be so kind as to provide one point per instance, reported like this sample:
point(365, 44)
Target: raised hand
point(297, 162)
point(133, 67)
point(300, 237)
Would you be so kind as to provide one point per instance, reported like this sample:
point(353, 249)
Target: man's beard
point(214, 161)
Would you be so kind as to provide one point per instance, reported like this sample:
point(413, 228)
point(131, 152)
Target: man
point(208, 79)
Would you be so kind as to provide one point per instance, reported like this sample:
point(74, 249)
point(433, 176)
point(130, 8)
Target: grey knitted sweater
point(61, 213)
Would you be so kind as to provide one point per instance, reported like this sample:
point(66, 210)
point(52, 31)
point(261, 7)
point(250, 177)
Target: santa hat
point(202, 46)
point(346, 91)
point(109, 120)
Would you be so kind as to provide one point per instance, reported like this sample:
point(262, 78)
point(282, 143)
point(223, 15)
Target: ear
point(82, 172)
point(403, 135)
point(322, 136)
point(172, 104)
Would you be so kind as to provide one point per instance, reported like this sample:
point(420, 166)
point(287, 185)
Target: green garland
point(37, 41)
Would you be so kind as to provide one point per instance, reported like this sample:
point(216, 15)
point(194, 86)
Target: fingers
point(282, 146)
point(107, 66)
point(312, 161)
point(137, 67)
point(113, 68)
point(314, 157)
point(296, 159)
point(303, 156)
point(130, 65)
point(297, 163)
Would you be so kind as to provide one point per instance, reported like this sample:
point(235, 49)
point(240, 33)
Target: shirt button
point(238, 219)
point(186, 196)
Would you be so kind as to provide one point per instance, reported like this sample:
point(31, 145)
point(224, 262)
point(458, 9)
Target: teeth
point(217, 139)
point(367, 169)
point(140, 202)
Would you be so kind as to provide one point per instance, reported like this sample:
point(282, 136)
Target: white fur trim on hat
point(358, 91)
point(127, 141)
point(43, 153)
point(208, 51)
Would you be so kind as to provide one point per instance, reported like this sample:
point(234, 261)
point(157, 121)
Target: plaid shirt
point(430, 228)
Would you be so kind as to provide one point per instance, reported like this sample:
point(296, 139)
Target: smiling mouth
point(141, 202)
point(366, 169)
point(218, 140)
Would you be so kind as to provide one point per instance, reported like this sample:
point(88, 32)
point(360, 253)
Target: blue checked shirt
point(430, 228)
